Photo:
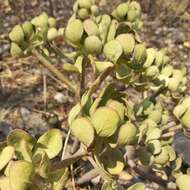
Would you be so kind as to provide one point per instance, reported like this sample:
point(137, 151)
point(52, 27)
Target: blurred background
point(25, 89)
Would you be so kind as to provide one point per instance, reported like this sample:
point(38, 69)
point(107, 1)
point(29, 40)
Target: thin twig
point(82, 78)
point(70, 159)
point(88, 176)
point(65, 144)
point(45, 62)
point(72, 177)
point(45, 91)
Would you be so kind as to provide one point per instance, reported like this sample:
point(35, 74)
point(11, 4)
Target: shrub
point(121, 138)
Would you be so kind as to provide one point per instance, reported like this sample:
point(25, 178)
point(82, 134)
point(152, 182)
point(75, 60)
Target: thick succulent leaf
point(105, 121)
point(20, 174)
point(74, 31)
point(123, 72)
point(151, 54)
point(16, 50)
point(113, 50)
point(159, 58)
point(146, 158)
point(185, 119)
point(18, 135)
point(63, 177)
point(183, 182)
point(22, 142)
point(52, 34)
point(101, 66)
point(139, 54)
point(153, 134)
point(104, 27)
point(127, 42)
point(109, 186)
point(79, 63)
point(126, 134)
point(83, 130)
point(118, 107)
point(122, 10)
point(5, 156)
point(163, 157)
point(4, 183)
point(51, 142)
point(137, 186)
point(41, 164)
point(103, 97)
point(70, 68)
point(171, 152)
point(90, 27)
point(155, 115)
point(154, 146)
point(74, 112)
point(17, 34)
point(113, 161)
point(93, 45)
point(27, 29)
point(56, 174)
point(112, 30)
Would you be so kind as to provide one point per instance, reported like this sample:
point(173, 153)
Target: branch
point(150, 177)
point(88, 176)
point(47, 64)
point(70, 159)
point(147, 175)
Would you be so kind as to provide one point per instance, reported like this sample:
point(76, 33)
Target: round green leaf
point(90, 27)
point(151, 54)
point(16, 138)
point(153, 134)
point(28, 29)
point(85, 3)
point(113, 50)
point(163, 157)
point(20, 174)
point(145, 157)
point(52, 34)
point(154, 147)
point(5, 156)
point(105, 121)
point(183, 182)
point(4, 183)
point(51, 22)
point(127, 42)
point(137, 186)
point(93, 45)
point(122, 10)
point(156, 116)
point(113, 161)
point(83, 130)
point(74, 31)
point(102, 65)
point(127, 134)
point(118, 107)
point(51, 142)
point(17, 34)
point(16, 50)
point(139, 54)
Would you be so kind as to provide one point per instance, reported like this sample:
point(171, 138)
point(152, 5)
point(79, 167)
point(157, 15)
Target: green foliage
point(23, 159)
point(105, 121)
